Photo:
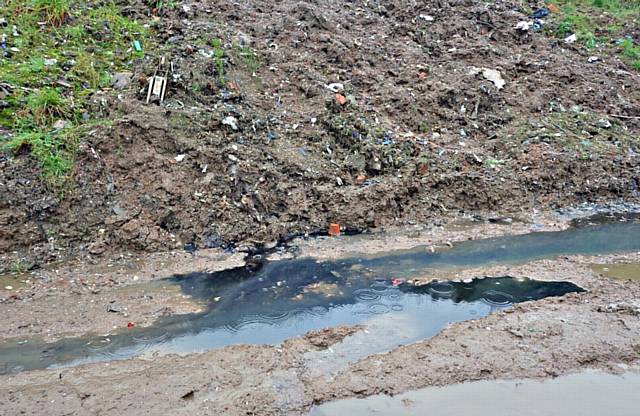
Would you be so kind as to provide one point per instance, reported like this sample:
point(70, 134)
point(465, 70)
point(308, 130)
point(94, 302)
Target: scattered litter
point(3, 22)
point(50, 61)
point(341, 99)
point(14, 31)
point(217, 299)
point(396, 282)
point(570, 39)
point(334, 229)
point(232, 158)
point(335, 87)
point(490, 75)
point(137, 46)
point(180, 158)
point(188, 395)
point(540, 13)
point(427, 17)
point(9, 287)
point(130, 325)
point(158, 84)
point(553, 8)
point(112, 307)
point(231, 122)
point(593, 59)
point(604, 123)
point(190, 247)
point(524, 25)
point(360, 179)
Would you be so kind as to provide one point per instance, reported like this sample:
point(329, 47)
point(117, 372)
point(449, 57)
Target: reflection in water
point(278, 300)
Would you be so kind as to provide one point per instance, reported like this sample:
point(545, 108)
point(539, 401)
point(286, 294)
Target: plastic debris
point(540, 13)
point(341, 99)
point(231, 122)
point(570, 39)
point(137, 46)
point(593, 59)
point(396, 282)
point(334, 229)
point(130, 325)
point(180, 158)
point(490, 75)
point(427, 17)
point(524, 25)
point(335, 87)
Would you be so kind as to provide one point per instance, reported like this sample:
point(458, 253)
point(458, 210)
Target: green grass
point(599, 22)
point(248, 58)
point(60, 42)
point(218, 57)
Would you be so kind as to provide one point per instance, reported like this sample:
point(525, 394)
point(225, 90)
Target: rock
point(121, 80)
point(604, 123)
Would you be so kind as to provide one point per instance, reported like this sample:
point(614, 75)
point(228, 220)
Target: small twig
point(627, 117)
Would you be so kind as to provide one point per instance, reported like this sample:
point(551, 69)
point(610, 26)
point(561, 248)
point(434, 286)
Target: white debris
point(231, 122)
point(524, 25)
point(492, 75)
point(180, 158)
point(335, 87)
point(427, 17)
point(50, 62)
point(232, 158)
point(593, 59)
point(571, 39)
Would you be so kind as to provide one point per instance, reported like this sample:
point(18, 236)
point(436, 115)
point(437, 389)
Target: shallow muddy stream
point(275, 300)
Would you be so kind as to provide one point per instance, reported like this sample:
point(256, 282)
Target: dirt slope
point(269, 149)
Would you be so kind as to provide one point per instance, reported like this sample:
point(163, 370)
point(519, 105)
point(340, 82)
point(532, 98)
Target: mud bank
point(420, 133)
point(596, 329)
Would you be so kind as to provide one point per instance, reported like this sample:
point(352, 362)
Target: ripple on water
point(497, 298)
point(366, 295)
point(442, 289)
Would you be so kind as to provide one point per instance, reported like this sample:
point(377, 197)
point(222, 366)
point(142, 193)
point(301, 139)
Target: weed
point(589, 19)
point(632, 52)
point(47, 105)
point(55, 12)
point(55, 152)
point(80, 43)
point(248, 57)
point(218, 56)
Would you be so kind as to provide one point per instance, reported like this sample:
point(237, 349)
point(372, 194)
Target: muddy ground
point(596, 329)
point(416, 137)
point(267, 149)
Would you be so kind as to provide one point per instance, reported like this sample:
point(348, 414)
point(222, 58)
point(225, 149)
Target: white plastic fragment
point(231, 122)
point(570, 39)
point(524, 25)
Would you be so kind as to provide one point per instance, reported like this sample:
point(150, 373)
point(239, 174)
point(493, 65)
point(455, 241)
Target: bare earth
point(596, 329)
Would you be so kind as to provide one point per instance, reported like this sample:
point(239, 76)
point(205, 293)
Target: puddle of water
point(267, 310)
point(272, 301)
point(588, 393)
point(625, 271)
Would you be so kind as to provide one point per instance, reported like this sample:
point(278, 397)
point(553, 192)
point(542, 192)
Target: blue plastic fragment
point(540, 13)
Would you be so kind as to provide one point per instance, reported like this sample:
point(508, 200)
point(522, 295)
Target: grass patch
point(598, 21)
point(64, 52)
